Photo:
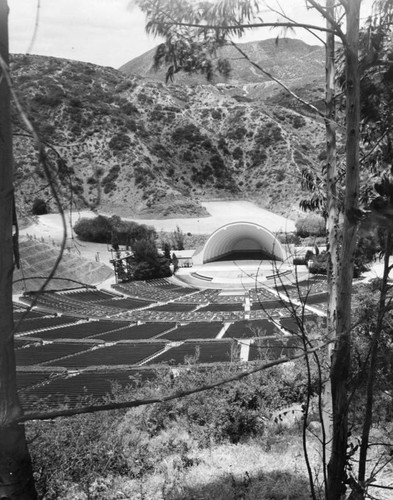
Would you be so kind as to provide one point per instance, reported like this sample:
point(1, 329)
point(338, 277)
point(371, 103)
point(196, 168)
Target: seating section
point(36, 355)
point(206, 330)
point(201, 297)
point(52, 301)
point(270, 349)
point(76, 389)
point(154, 290)
point(173, 306)
point(90, 295)
point(80, 330)
point(153, 324)
point(252, 329)
point(137, 332)
point(38, 260)
point(201, 352)
point(43, 323)
point(113, 355)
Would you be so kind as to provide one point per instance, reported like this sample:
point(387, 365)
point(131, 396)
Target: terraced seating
point(203, 330)
point(72, 390)
point(81, 330)
point(34, 355)
point(270, 349)
point(62, 302)
point(30, 379)
point(36, 324)
point(119, 354)
point(169, 285)
point(215, 351)
point(38, 259)
point(228, 299)
point(19, 343)
point(174, 306)
point(201, 297)
point(261, 294)
point(290, 323)
point(222, 307)
point(183, 317)
point(90, 295)
point(127, 303)
point(20, 313)
point(267, 305)
point(137, 332)
point(148, 290)
point(251, 329)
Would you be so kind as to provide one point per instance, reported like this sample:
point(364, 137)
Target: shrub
point(150, 264)
point(311, 225)
point(119, 142)
point(189, 133)
point(319, 263)
point(109, 181)
point(101, 229)
point(268, 135)
point(39, 207)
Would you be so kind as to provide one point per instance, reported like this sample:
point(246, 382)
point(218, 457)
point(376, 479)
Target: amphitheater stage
point(238, 274)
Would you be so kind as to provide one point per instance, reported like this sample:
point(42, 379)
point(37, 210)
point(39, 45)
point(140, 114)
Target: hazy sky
point(106, 32)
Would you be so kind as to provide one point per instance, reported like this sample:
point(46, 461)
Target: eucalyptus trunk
point(332, 218)
point(368, 415)
point(16, 478)
point(341, 358)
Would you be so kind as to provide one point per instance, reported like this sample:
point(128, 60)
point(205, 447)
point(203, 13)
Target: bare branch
point(285, 87)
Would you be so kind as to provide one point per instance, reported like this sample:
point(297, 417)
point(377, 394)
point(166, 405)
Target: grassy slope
point(38, 259)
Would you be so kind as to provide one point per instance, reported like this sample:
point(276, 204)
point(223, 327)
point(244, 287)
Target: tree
point(149, 263)
point(193, 32)
point(16, 477)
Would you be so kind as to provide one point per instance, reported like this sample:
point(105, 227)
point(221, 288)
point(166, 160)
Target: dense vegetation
point(111, 455)
point(147, 146)
point(113, 229)
point(146, 261)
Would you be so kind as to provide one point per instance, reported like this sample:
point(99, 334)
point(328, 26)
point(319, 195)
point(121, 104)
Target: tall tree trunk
point(16, 478)
point(332, 217)
point(368, 416)
point(341, 358)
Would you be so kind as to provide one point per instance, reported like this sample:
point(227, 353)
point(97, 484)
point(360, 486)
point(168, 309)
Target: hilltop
point(288, 59)
point(137, 147)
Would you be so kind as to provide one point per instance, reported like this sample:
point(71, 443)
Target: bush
point(119, 142)
point(109, 181)
point(189, 133)
point(311, 225)
point(82, 455)
point(39, 207)
point(102, 229)
point(319, 263)
point(150, 265)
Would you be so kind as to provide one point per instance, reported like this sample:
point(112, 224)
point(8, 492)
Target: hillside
point(38, 259)
point(135, 146)
point(290, 60)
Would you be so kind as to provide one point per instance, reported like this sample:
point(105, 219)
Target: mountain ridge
point(137, 147)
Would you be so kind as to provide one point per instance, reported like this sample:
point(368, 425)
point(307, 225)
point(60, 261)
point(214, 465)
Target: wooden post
point(16, 479)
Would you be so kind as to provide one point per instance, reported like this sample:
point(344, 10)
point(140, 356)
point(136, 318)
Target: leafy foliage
point(149, 264)
point(102, 229)
point(87, 452)
point(39, 207)
point(311, 225)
